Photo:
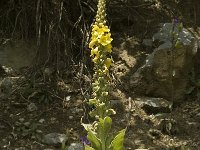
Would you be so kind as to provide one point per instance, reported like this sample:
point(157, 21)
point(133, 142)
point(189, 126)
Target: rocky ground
point(26, 124)
point(38, 112)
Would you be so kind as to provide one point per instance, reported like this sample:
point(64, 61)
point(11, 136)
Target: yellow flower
point(92, 43)
point(105, 71)
point(95, 35)
point(108, 62)
point(103, 29)
point(94, 52)
point(94, 28)
point(99, 31)
point(108, 48)
point(105, 39)
point(95, 59)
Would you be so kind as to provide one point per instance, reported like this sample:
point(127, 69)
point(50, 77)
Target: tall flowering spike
point(100, 45)
point(101, 48)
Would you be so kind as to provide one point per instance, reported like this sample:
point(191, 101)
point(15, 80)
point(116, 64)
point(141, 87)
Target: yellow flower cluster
point(100, 41)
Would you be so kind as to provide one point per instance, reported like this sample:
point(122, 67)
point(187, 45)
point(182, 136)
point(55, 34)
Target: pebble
point(32, 107)
point(27, 124)
point(54, 138)
point(71, 117)
point(76, 146)
point(41, 121)
point(21, 120)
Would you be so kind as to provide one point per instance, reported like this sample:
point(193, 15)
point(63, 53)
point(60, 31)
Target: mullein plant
point(98, 133)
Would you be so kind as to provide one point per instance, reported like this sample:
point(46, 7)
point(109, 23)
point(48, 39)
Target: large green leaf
point(95, 142)
point(103, 129)
point(117, 143)
point(87, 147)
point(108, 141)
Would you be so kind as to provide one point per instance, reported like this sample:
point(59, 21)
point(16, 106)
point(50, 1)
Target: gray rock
point(8, 70)
point(32, 107)
point(17, 123)
point(198, 115)
point(39, 131)
point(41, 121)
point(154, 77)
point(71, 117)
point(76, 110)
point(54, 138)
point(168, 126)
point(21, 119)
point(27, 124)
point(76, 146)
point(17, 54)
point(6, 85)
point(154, 105)
point(67, 98)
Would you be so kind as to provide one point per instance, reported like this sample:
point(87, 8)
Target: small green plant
point(99, 134)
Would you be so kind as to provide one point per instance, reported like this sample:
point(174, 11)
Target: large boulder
point(156, 77)
point(197, 62)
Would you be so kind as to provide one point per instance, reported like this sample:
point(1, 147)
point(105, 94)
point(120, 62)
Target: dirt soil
point(180, 128)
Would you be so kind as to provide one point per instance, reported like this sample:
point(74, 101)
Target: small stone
point(17, 124)
point(6, 85)
point(78, 110)
point(32, 107)
point(33, 137)
point(27, 124)
point(54, 138)
point(198, 115)
point(76, 146)
point(21, 120)
point(53, 119)
point(67, 98)
point(73, 110)
point(71, 117)
point(39, 131)
point(138, 141)
point(41, 121)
